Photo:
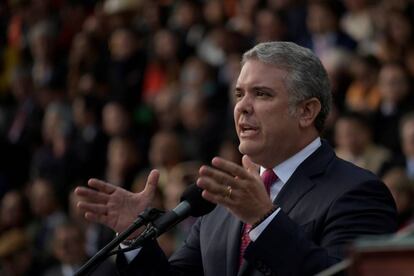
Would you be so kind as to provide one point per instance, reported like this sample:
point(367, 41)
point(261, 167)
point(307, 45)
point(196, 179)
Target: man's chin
point(254, 152)
point(247, 149)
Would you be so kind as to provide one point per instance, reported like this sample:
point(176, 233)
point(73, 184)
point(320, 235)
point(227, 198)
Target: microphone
point(192, 204)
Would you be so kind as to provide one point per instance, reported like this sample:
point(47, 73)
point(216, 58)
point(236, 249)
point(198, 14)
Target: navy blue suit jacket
point(326, 204)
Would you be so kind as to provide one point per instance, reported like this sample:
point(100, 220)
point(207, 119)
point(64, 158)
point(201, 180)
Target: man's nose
point(244, 105)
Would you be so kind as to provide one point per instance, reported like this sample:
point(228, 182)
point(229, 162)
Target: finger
point(152, 182)
point(230, 167)
point(251, 167)
point(210, 185)
point(96, 218)
point(214, 198)
point(95, 208)
point(91, 195)
point(221, 177)
point(101, 186)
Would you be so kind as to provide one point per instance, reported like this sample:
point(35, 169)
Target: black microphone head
point(199, 206)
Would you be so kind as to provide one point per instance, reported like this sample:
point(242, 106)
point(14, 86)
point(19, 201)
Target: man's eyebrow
point(261, 87)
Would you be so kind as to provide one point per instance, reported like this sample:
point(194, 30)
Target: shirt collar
point(285, 169)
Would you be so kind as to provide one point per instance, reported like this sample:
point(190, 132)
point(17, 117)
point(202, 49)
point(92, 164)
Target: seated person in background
point(16, 255)
point(47, 212)
point(353, 137)
point(14, 211)
point(407, 141)
point(363, 94)
point(406, 159)
point(402, 190)
point(70, 251)
point(396, 101)
point(96, 235)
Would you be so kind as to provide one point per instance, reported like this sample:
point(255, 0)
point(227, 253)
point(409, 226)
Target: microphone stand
point(156, 227)
point(148, 215)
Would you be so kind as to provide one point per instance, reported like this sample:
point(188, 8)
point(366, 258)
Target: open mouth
point(247, 130)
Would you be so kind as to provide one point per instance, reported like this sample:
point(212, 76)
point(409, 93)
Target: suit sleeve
point(285, 248)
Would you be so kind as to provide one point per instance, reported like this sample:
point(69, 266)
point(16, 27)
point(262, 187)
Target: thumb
point(251, 167)
point(152, 182)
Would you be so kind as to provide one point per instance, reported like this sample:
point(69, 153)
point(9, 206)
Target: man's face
point(267, 131)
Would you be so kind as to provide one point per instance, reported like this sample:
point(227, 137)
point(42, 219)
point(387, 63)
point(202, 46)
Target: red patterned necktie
point(268, 177)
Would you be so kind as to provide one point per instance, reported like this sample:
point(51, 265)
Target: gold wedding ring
point(228, 192)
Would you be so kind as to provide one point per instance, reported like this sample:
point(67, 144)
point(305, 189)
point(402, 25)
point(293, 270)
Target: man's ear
point(307, 111)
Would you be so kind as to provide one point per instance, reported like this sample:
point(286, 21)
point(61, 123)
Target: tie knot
point(269, 177)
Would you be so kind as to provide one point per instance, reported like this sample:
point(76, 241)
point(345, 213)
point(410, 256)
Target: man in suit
point(316, 203)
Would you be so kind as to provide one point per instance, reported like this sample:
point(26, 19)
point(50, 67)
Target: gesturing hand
point(240, 189)
point(114, 206)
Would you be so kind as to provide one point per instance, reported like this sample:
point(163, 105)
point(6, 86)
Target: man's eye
point(238, 94)
point(261, 93)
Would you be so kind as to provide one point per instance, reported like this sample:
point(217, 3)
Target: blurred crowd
point(112, 88)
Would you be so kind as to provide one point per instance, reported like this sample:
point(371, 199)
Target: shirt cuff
point(130, 255)
point(255, 232)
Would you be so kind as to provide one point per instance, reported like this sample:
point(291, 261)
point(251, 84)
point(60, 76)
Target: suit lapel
point(294, 190)
point(300, 182)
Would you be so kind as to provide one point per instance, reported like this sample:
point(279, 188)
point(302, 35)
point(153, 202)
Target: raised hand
point(114, 206)
point(240, 189)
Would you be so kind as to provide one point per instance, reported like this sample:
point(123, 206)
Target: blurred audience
point(396, 100)
point(363, 94)
point(96, 235)
point(397, 37)
point(69, 250)
point(407, 141)
point(16, 255)
point(402, 189)
point(404, 161)
point(165, 152)
point(26, 118)
point(56, 158)
point(14, 211)
point(324, 29)
point(358, 23)
point(353, 137)
point(114, 88)
point(48, 213)
point(116, 119)
point(89, 140)
point(126, 66)
point(123, 161)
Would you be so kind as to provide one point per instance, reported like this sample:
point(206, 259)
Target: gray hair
point(306, 76)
